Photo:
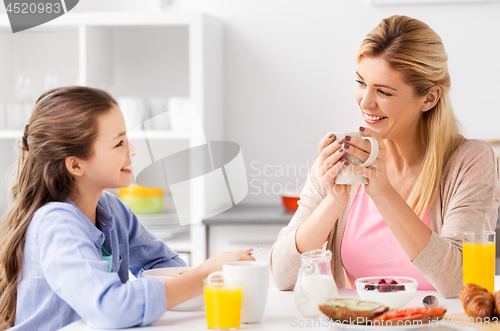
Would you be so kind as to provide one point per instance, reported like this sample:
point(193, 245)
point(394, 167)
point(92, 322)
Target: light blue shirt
point(64, 277)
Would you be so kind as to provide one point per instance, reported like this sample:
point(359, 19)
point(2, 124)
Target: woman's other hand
point(314, 231)
point(377, 172)
point(215, 262)
point(330, 162)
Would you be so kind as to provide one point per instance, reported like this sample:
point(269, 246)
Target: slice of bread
point(352, 310)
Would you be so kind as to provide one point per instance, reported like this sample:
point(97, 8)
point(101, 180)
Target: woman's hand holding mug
point(330, 163)
point(361, 147)
point(345, 159)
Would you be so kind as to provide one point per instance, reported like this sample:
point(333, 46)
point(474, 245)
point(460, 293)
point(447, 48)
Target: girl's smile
point(126, 169)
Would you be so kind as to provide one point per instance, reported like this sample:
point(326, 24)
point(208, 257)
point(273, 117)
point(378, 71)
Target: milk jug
point(315, 283)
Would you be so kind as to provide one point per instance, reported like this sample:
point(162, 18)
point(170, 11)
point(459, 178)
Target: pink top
point(369, 248)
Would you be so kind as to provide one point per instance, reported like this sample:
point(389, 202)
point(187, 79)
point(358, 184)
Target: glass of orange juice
point(478, 250)
point(222, 302)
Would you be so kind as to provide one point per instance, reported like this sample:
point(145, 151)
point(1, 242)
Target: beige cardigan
point(468, 200)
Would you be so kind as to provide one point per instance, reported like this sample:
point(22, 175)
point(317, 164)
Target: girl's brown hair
point(413, 48)
point(63, 123)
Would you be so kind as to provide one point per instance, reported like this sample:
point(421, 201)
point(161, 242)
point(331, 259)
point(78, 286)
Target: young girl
point(67, 246)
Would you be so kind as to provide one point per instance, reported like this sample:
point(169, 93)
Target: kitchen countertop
point(252, 214)
point(258, 214)
point(280, 314)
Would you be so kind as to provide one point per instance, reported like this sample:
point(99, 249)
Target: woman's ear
point(432, 98)
point(74, 166)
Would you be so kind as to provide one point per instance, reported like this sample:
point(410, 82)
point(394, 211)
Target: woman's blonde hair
point(63, 123)
point(414, 49)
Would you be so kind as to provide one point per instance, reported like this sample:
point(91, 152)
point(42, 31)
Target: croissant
point(497, 302)
point(477, 301)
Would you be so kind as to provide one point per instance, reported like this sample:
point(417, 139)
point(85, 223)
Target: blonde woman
point(427, 185)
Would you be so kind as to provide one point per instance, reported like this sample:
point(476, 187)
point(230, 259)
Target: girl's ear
point(74, 166)
point(432, 98)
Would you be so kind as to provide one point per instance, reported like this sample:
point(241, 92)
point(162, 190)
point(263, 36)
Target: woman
point(427, 185)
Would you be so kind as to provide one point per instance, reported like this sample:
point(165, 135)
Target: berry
point(385, 288)
point(393, 282)
point(382, 281)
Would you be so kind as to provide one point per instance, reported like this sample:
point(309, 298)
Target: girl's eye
point(384, 94)
point(359, 82)
point(119, 144)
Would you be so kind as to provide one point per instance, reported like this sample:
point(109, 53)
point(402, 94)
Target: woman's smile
point(373, 119)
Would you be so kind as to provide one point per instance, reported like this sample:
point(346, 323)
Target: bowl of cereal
point(195, 303)
point(393, 292)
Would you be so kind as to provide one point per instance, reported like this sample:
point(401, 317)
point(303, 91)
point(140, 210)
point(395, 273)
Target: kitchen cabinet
point(131, 55)
point(246, 226)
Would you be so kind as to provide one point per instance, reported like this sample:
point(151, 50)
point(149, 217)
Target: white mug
point(346, 176)
point(255, 278)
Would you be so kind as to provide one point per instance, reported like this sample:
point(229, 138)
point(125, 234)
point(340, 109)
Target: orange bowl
point(290, 202)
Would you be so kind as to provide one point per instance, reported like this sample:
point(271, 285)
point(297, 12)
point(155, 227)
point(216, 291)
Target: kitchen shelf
point(11, 134)
point(149, 134)
point(154, 217)
point(180, 243)
point(157, 134)
point(123, 19)
point(131, 55)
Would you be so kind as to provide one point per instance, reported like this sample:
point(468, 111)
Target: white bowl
point(392, 296)
point(195, 303)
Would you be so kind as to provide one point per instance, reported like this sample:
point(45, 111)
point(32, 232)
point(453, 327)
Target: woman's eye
point(119, 144)
point(384, 94)
point(359, 82)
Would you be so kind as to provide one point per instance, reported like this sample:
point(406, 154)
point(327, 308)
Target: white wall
point(290, 72)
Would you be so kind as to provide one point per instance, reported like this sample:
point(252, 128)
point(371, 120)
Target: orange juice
point(479, 264)
point(223, 307)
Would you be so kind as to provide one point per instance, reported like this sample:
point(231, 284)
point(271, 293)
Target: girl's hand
point(329, 164)
point(377, 172)
point(215, 262)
